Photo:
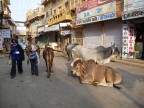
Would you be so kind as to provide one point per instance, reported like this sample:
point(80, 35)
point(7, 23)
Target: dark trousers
point(19, 66)
point(34, 66)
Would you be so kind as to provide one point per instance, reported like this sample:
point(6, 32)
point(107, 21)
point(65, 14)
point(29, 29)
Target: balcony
point(63, 16)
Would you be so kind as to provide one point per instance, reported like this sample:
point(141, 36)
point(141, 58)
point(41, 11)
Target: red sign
point(88, 5)
point(131, 39)
point(91, 4)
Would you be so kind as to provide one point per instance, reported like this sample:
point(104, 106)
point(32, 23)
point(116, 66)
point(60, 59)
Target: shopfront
point(102, 27)
point(133, 29)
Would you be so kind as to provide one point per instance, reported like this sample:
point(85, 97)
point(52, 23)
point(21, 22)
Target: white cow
point(100, 55)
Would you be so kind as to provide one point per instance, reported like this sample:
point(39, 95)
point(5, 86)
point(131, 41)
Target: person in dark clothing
point(17, 56)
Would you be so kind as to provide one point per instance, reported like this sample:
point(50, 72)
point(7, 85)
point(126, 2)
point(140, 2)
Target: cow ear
point(78, 65)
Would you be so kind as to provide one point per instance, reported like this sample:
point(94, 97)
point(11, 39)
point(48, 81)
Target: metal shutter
point(113, 33)
point(92, 35)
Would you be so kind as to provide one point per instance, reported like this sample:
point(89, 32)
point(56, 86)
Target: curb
point(140, 65)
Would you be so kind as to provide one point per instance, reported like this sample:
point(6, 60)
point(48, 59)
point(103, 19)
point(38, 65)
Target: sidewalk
point(132, 62)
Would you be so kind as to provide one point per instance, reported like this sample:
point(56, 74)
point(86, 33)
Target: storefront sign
point(5, 33)
point(130, 5)
point(128, 41)
point(133, 14)
point(131, 40)
point(1, 43)
point(125, 41)
point(88, 5)
point(64, 24)
point(103, 9)
point(65, 32)
point(96, 18)
point(133, 9)
point(91, 4)
point(100, 13)
point(52, 28)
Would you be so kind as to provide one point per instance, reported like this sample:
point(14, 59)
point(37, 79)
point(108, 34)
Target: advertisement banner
point(133, 9)
point(100, 13)
point(133, 14)
point(96, 18)
point(103, 9)
point(91, 4)
point(130, 5)
point(88, 5)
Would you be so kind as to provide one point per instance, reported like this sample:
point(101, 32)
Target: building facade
point(7, 25)
point(33, 20)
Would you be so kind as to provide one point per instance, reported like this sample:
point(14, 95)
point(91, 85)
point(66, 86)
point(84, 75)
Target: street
point(62, 90)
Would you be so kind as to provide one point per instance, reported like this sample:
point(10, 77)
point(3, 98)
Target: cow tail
point(117, 87)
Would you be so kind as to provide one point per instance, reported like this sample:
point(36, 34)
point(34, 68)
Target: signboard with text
point(128, 41)
point(65, 32)
point(91, 4)
point(100, 13)
point(133, 9)
point(125, 41)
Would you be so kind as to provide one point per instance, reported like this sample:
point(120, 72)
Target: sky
point(20, 7)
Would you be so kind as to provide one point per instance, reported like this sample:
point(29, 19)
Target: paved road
point(64, 91)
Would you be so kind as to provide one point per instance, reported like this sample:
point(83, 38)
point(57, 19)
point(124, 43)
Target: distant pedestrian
point(34, 51)
point(17, 56)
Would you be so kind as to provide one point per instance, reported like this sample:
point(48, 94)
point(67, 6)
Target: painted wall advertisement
point(100, 13)
point(133, 9)
point(128, 41)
